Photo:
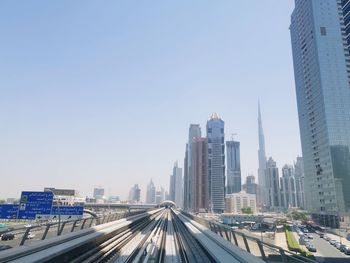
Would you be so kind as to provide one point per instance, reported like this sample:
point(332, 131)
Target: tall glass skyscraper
point(199, 164)
point(321, 66)
point(262, 197)
point(216, 163)
point(193, 133)
point(233, 167)
point(346, 16)
point(272, 186)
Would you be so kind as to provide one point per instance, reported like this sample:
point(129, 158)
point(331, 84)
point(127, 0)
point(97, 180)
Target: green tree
point(296, 215)
point(247, 210)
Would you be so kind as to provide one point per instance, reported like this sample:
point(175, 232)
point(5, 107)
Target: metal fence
point(42, 231)
point(266, 251)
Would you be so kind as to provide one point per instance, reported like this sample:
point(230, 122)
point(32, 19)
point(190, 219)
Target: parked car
point(28, 225)
point(347, 251)
point(321, 235)
point(30, 235)
point(309, 236)
point(337, 245)
point(311, 248)
point(7, 236)
point(343, 248)
point(305, 230)
point(332, 241)
point(307, 244)
point(327, 238)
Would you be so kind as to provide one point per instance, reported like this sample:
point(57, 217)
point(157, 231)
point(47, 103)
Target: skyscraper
point(134, 194)
point(216, 163)
point(151, 193)
point(299, 182)
point(288, 188)
point(272, 185)
point(345, 20)
point(159, 195)
point(176, 186)
point(199, 164)
point(250, 186)
point(262, 194)
point(194, 132)
point(233, 167)
point(321, 68)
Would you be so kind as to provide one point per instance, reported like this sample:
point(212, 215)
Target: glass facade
point(321, 68)
point(233, 167)
point(216, 163)
point(193, 133)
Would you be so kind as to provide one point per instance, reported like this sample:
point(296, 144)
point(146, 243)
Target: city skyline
point(72, 111)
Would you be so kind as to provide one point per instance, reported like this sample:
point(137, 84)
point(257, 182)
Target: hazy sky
point(101, 93)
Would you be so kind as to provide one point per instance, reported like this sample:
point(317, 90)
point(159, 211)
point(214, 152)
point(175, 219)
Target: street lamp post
point(59, 212)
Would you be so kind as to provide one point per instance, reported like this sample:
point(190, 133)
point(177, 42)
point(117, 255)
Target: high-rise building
point(134, 194)
point(272, 185)
point(194, 132)
point(321, 68)
point(262, 197)
point(288, 187)
point(172, 188)
point(250, 186)
point(176, 189)
point(159, 196)
point(151, 193)
point(186, 181)
point(346, 19)
point(233, 167)
point(216, 163)
point(199, 164)
point(299, 182)
point(99, 193)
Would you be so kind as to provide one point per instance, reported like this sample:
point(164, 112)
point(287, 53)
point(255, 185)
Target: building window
point(323, 31)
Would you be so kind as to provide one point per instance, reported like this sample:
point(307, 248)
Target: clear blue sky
point(101, 93)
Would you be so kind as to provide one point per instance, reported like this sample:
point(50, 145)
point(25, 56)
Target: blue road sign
point(8, 211)
point(67, 210)
point(33, 204)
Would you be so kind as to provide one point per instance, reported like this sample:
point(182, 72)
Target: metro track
point(160, 235)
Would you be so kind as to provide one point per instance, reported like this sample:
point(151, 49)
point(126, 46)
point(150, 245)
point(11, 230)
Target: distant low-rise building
point(236, 201)
point(12, 200)
point(99, 193)
point(114, 199)
point(65, 196)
